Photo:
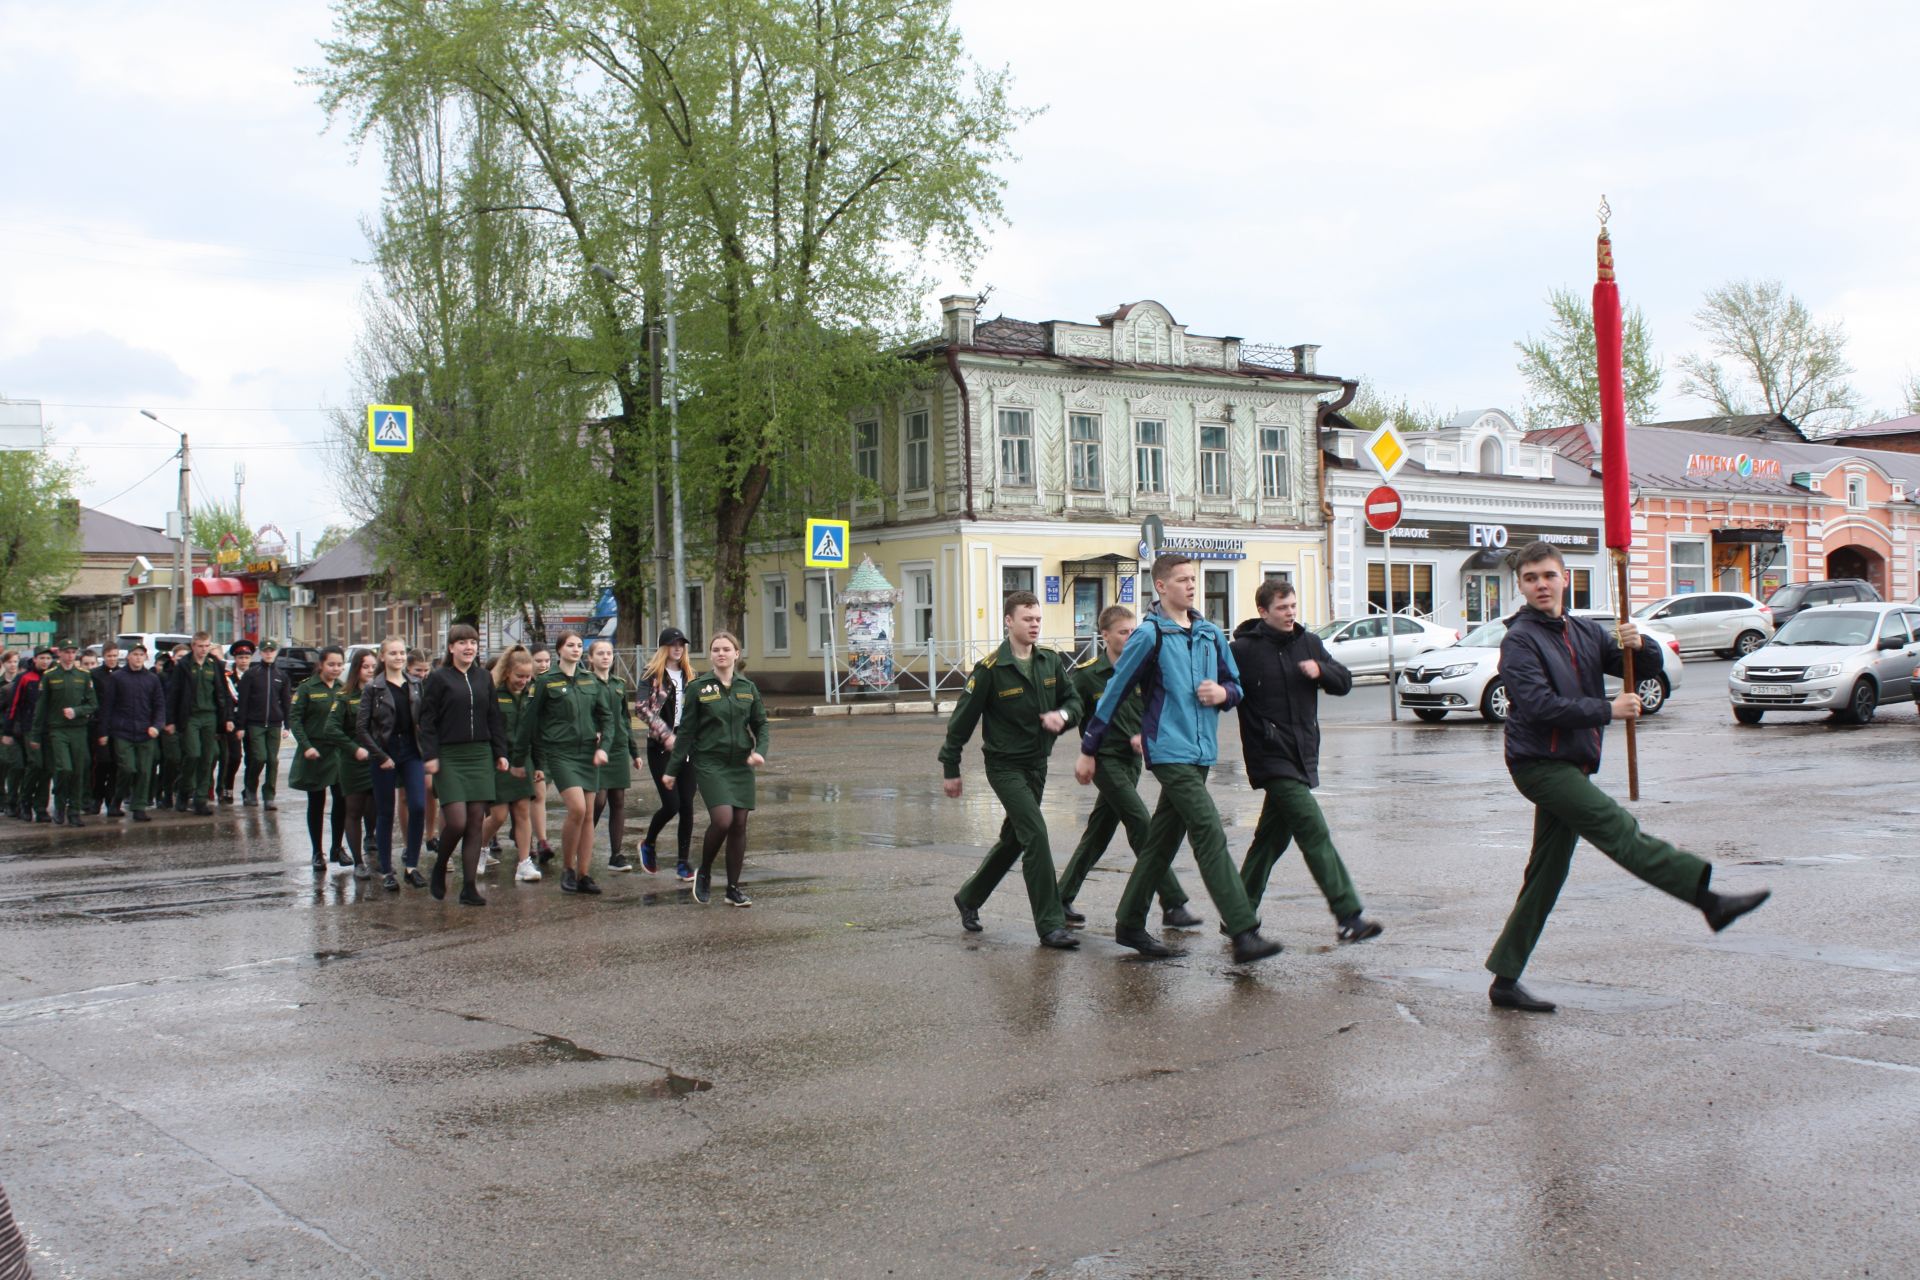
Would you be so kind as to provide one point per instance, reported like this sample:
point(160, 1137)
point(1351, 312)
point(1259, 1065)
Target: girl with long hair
point(356, 775)
point(726, 728)
point(418, 668)
point(616, 775)
point(387, 726)
point(542, 653)
point(663, 686)
point(465, 748)
point(316, 757)
point(513, 790)
point(564, 722)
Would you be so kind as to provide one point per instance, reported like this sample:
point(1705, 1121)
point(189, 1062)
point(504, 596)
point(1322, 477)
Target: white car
point(1466, 676)
point(1360, 644)
point(1725, 622)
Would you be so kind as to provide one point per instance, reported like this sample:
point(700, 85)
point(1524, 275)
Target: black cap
point(239, 647)
point(672, 635)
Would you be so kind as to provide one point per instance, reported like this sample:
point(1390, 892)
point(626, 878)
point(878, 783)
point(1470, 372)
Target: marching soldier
point(266, 697)
point(133, 711)
point(30, 766)
point(60, 720)
point(202, 711)
point(102, 786)
point(9, 769)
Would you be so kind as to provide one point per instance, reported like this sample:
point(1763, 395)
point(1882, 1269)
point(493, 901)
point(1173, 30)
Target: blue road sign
point(390, 428)
point(9, 623)
point(1053, 588)
point(827, 544)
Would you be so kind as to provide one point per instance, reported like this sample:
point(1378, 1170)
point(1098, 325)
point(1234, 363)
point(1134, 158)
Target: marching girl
point(543, 852)
point(725, 727)
point(513, 790)
point(562, 727)
point(418, 668)
point(316, 760)
point(616, 775)
point(356, 775)
point(387, 725)
point(466, 750)
point(664, 698)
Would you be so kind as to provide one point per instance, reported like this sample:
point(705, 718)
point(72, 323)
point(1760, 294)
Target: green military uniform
point(63, 737)
point(353, 777)
point(722, 725)
point(564, 721)
point(314, 702)
point(200, 745)
point(1011, 695)
point(507, 788)
point(617, 773)
point(1116, 776)
point(10, 769)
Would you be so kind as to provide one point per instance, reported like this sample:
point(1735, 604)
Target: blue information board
point(1053, 588)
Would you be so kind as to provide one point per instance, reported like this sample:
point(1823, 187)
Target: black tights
point(460, 824)
point(728, 825)
point(614, 803)
point(316, 807)
point(677, 803)
point(360, 828)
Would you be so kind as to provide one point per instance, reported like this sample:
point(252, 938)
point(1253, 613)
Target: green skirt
point(466, 774)
point(727, 784)
point(507, 788)
point(356, 776)
point(314, 775)
point(617, 773)
point(570, 769)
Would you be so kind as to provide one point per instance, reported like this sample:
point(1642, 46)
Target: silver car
point(1728, 622)
point(1360, 644)
point(1466, 676)
point(1844, 659)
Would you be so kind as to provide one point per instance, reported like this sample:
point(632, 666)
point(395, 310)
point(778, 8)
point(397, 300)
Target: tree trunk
point(629, 535)
point(733, 519)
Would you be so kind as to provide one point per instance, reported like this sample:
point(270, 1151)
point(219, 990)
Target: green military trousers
point(10, 769)
point(31, 784)
point(66, 764)
point(199, 753)
point(1023, 836)
point(1291, 813)
point(1186, 809)
point(133, 761)
point(263, 758)
point(1569, 808)
point(1117, 779)
point(171, 782)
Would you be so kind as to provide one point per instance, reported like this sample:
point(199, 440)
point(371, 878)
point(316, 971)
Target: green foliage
point(1371, 407)
point(39, 530)
point(1561, 366)
point(1779, 359)
point(214, 522)
point(330, 537)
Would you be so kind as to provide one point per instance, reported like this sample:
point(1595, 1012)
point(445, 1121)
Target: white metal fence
point(925, 672)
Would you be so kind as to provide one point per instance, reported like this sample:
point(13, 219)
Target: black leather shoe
point(140, 815)
point(1061, 940)
point(73, 819)
point(969, 916)
point(1250, 946)
point(1505, 993)
point(116, 812)
point(470, 897)
point(1140, 940)
point(391, 883)
point(201, 808)
point(1180, 918)
point(437, 882)
point(1357, 928)
point(1074, 919)
point(319, 863)
point(414, 878)
point(1724, 908)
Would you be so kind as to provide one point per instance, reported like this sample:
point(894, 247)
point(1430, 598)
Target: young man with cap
point(239, 660)
point(133, 711)
point(201, 710)
point(60, 719)
point(266, 696)
point(1554, 665)
point(102, 784)
point(16, 733)
point(9, 770)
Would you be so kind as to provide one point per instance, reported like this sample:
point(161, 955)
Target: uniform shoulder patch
point(1082, 666)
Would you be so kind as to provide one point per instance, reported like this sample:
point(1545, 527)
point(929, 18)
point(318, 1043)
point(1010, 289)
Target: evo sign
point(1476, 536)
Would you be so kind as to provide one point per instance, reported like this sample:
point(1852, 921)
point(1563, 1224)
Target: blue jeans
point(410, 769)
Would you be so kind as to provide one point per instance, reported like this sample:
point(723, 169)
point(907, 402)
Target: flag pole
point(1615, 482)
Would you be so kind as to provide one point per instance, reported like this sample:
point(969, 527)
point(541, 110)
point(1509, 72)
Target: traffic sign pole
point(1393, 681)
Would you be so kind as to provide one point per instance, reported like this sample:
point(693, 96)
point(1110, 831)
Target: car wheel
point(1748, 643)
point(1860, 703)
point(1653, 694)
point(1494, 702)
point(1432, 715)
point(1748, 715)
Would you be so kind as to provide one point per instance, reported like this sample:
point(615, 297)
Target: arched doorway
point(1854, 561)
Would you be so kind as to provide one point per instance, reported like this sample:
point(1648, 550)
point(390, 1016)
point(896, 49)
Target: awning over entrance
point(1756, 536)
point(273, 593)
point(1112, 565)
point(1488, 558)
point(218, 587)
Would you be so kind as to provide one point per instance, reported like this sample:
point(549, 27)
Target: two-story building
point(1056, 457)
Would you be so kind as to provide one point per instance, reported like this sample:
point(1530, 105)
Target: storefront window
point(1580, 596)
point(1218, 604)
point(1688, 566)
point(1412, 587)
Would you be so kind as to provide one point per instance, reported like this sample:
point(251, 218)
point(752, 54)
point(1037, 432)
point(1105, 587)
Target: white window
point(1150, 456)
point(918, 451)
point(697, 617)
point(1016, 447)
point(1083, 440)
point(1687, 564)
point(1016, 577)
point(1580, 589)
point(919, 602)
point(773, 600)
point(819, 614)
point(1217, 597)
point(1492, 457)
point(1213, 460)
point(1856, 491)
point(866, 451)
point(1273, 463)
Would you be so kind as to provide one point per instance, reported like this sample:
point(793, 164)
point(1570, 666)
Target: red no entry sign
point(1383, 508)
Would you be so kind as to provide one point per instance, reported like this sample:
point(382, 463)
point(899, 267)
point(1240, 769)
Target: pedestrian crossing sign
point(390, 428)
point(827, 544)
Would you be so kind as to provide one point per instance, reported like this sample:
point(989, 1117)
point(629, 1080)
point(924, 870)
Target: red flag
point(1614, 485)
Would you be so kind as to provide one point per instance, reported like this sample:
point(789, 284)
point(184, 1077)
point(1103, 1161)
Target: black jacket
point(266, 696)
point(456, 708)
point(180, 693)
point(375, 722)
point(132, 702)
point(21, 700)
point(1555, 670)
point(1280, 704)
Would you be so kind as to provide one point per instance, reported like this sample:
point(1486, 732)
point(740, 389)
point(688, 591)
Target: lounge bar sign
point(1477, 535)
point(1743, 465)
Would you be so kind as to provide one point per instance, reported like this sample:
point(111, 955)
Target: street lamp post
point(183, 553)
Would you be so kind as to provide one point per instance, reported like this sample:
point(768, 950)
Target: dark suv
point(1795, 596)
point(298, 662)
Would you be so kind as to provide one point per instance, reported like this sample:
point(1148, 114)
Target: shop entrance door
point(1087, 604)
point(1484, 596)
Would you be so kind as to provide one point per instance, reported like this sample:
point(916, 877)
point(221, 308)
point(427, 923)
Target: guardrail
point(922, 671)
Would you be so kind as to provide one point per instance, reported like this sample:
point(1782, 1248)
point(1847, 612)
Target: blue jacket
point(1168, 662)
point(132, 702)
point(1555, 670)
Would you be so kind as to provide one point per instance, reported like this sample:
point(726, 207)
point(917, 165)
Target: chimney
point(958, 312)
point(1303, 357)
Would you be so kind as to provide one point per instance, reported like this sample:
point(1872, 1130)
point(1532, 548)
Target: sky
point(181, 231)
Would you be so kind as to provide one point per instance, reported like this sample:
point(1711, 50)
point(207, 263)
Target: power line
point(137, 483)
point(176, 408)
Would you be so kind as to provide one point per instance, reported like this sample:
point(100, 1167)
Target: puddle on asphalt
point(1818, 952)
point(1583, 995)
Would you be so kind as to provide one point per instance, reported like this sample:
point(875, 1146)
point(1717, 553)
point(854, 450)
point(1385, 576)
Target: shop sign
point(1471, 535)
point(1126, 589)
point(1743, 465)
point(263, 567)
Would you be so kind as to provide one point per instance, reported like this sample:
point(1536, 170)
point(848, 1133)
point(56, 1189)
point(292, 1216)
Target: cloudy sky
point(1401, 183)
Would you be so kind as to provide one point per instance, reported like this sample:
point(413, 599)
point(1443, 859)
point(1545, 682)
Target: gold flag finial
point(1606, 212)
point(1605, 247)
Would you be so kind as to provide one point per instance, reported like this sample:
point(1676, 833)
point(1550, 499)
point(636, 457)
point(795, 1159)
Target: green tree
point(330, 537)
point(39, 530)
point(216, 522)
point(1372, 406)
point(1561, 366)
point(1779, 359)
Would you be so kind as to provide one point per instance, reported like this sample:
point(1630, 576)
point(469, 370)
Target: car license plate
point(1416, 688)
point(1771, 690)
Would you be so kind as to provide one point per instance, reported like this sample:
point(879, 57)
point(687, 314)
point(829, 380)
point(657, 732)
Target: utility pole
point(240, 491)
point(673, 453)
point(182, 582)
point(660, 554)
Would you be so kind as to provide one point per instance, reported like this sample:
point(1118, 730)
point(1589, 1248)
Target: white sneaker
point(487, 863)
point(526, 871)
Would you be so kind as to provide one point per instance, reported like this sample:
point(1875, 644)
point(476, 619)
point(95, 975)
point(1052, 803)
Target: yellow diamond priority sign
point(1386, 448)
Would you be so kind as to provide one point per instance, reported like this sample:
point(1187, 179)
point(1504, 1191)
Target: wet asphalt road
point(216, 1065)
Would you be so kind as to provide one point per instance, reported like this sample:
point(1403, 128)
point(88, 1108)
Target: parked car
point(1466, 676)
point(1845, 659)
point(1795, 596)
point(1725, 622)
point(157, 642)
point(298, 661)
point(1360, 644)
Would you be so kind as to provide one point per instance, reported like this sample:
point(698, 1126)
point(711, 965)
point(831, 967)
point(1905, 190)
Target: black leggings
point(460, 824)
point(360, 829)
point(614, 803)
point(726, 825)
point(316, 806)
point(677, 803)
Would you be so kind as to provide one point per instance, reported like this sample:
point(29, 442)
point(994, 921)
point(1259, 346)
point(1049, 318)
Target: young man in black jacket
point(1283, 669)
point(133, 711)
point(266, 695)
point(1554, 666)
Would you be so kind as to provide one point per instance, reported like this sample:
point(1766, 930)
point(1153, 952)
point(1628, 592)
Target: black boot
point(1074, 919)
point(1250, 946)
point(1722, 909)
point(140, 815)
point(1140, 940)
point(1507, 993)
